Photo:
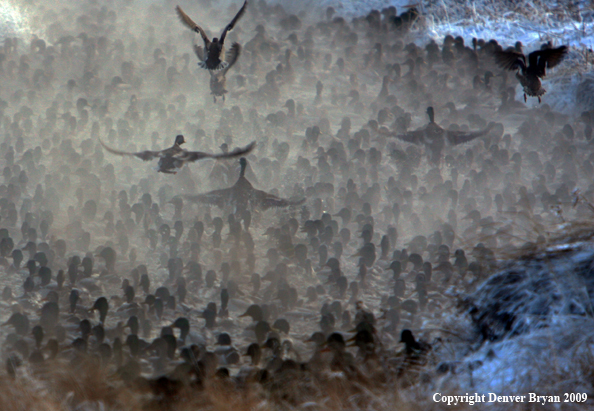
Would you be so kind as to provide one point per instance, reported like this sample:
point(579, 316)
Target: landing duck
point(218, 81)
point(212, 56)
point(529, 75)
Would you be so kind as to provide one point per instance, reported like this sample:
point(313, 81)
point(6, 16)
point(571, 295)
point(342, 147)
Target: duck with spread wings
point(529, 75)
point(172, 159)
point(242, 196)
point(212, 56)
point(433, 137)
point(218, 81)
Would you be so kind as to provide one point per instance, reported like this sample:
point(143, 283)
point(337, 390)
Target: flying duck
point(172, 159)
point(242, 196)
point(530, 74)
point(434, 137)
point(212, 56)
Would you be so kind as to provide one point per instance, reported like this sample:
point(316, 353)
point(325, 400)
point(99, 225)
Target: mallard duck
point(212, 56)
point(530, 74)
point(173, 158)
point(413, 347)
point(406, 19)
point(242, 196)
point(434, 137)
point(218, 81)
point(410, 362)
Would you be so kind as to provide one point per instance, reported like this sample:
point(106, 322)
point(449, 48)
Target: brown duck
point(530, 74)
point(242, 196)
point(218, 81)
point(410, 362)
point(172, 159)
point(434, 137)
point(212, 56)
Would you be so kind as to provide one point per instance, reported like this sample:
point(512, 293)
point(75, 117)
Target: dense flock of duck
point(312, 256)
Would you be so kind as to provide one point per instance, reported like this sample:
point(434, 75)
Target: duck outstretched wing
point(191, 156)
point(460, 137)
point(188, 22)
point(414, 137)
point(232, 56)
point(143, 155)
point(546, 58)
point(510, 60)
point(266, 200)
point(231, 25)
point(216, 197)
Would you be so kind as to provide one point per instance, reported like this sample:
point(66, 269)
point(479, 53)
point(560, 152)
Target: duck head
point(179, 140)
point(243, 164)
point(431, 114)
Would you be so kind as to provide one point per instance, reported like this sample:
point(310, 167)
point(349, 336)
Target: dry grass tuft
point(90, 388)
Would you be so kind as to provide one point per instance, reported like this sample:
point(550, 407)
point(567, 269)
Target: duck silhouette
point(218, 81)
point(434, 138)
point(172, 159)
point(212, 56)
point(242, 196)
point(529, 75)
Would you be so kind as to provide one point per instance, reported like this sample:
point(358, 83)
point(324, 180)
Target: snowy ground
point(532, 22)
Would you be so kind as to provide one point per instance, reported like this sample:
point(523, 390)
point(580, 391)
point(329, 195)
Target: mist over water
point(405, 224)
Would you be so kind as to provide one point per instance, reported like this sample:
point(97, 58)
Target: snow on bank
point(532, 22)
point(13, 20)
point(533, 321)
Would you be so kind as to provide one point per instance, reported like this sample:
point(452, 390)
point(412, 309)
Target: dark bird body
point(212, 56)
point(434, 138)
point(218, 81)
point(172, 159)
point(242, 196)
point(413, 346)
point(529, 75)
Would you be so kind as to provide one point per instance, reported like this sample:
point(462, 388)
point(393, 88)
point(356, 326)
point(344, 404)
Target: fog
point(399, 181)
